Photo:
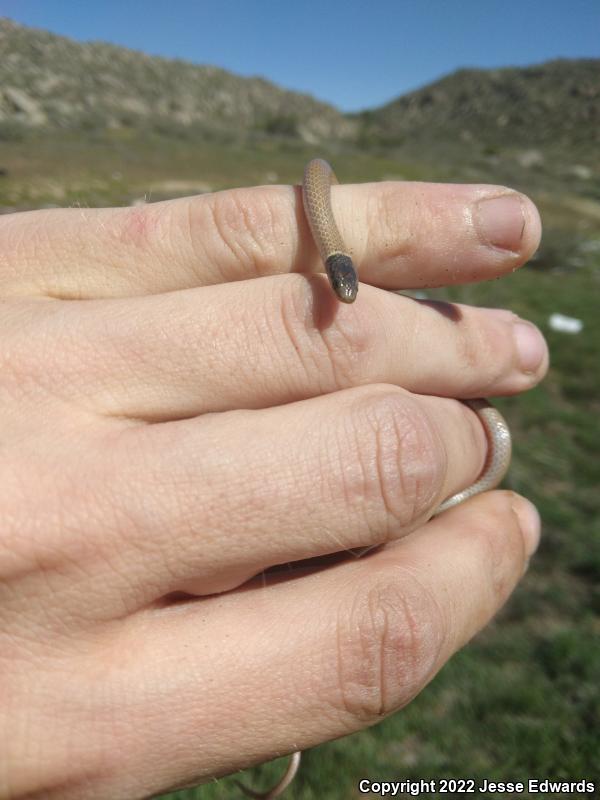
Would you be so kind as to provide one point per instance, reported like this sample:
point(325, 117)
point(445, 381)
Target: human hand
point(182, 411)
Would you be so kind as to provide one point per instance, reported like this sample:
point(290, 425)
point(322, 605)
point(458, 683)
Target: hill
point(52, 81)
point(552, 105)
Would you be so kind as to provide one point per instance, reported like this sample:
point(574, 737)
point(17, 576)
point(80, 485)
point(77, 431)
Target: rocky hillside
point(551, 104)
point(50, 80)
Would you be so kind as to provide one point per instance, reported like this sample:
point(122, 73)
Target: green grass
point(523, 699)
point(117, 166)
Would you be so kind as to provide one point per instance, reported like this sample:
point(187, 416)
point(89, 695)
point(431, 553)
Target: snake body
point(316, 193)
point(343, 278)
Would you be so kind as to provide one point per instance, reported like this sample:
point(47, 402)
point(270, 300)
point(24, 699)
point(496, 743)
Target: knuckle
point(249, 227)
point(402, 458)
point(349, 344)
point(339, 351)
point(293, 319)
point(388, 642)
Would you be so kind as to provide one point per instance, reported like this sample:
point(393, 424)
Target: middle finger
point(267, 342)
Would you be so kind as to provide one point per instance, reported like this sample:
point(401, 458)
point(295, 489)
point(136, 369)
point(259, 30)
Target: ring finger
point(201, 505)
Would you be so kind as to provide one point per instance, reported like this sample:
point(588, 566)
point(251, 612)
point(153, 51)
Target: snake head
point(342, 277)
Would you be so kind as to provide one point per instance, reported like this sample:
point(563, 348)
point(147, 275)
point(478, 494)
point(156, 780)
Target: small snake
point(343, 278)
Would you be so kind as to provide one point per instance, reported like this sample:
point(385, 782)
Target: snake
point(343, 279)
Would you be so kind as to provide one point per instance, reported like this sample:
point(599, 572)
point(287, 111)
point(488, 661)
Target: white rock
point(581, 171)
point(530, 158)
point(558, 322)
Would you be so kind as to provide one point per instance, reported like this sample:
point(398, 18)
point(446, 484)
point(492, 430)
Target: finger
point(296, 663)
point(256, 344)
point(201, 505)
point(400, 234)
point(339, 472)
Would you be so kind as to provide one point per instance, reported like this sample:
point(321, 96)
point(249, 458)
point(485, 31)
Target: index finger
point(401, 235)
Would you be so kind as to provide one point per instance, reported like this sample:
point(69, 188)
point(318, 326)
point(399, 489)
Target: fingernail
point(529, 522)
point(500, 221)
point(530, 345)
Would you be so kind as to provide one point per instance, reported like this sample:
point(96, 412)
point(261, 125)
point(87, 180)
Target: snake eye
point(342, 277)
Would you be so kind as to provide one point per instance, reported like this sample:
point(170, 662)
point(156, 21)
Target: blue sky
point(352, 53)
